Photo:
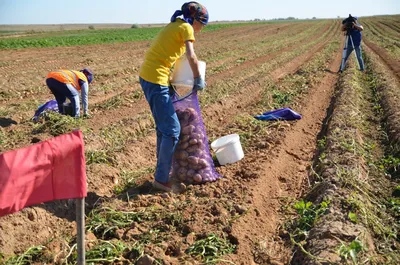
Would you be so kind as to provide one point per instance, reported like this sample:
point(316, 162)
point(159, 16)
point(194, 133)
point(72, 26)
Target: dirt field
point(342, 156)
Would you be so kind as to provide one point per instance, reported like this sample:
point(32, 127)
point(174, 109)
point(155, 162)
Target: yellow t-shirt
point(166, 48)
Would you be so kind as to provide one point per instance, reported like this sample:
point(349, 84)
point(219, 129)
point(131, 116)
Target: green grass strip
point(91, 36)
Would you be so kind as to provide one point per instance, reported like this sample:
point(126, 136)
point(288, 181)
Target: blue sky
point(160, 11)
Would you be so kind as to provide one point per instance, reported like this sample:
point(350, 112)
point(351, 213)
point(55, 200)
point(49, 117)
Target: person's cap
point(88, 73)
point(202, 15)
point(194, 10)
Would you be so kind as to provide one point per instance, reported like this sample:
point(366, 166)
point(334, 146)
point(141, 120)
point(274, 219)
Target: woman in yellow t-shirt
point(170, 44)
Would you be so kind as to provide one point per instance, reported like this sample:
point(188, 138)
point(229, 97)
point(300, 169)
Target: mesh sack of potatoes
point(192, 162)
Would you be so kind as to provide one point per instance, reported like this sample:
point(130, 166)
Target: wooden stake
point(80, 224)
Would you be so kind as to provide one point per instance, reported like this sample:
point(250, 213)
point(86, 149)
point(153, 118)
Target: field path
point(284, 169)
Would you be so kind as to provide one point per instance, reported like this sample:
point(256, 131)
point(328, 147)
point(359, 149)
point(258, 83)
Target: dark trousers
point(168, 127)
point(62, 91)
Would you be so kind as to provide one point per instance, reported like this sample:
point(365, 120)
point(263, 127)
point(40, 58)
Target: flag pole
point(80, 224)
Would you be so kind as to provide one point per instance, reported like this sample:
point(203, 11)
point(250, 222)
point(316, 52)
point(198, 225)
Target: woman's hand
point(199, 83)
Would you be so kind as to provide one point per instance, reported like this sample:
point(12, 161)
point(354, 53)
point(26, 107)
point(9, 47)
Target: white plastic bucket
point(228, 149)
point(183, 75)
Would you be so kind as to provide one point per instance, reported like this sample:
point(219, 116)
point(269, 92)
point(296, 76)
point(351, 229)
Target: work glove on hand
point(199, 83)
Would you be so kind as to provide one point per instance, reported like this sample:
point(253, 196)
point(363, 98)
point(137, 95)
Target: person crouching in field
point(170, 44)
point(66, 84)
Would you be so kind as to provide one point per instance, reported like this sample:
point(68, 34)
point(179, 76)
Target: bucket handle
point(222, 147)
point(219, 149)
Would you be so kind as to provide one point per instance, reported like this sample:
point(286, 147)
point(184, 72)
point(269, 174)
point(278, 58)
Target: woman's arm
point(192, 58)
point(199, 82)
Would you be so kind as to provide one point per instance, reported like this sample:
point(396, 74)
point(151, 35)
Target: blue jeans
point(62, 91)
point(167, 126)
point(358, 53)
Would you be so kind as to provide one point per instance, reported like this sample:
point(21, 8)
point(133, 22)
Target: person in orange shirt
point(66, 84)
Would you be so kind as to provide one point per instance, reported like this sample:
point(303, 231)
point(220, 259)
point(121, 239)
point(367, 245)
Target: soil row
point(345, 219)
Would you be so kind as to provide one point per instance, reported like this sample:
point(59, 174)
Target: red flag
point(51, 170)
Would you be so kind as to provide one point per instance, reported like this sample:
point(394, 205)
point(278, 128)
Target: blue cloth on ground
point(279, 114)
point(49, 105)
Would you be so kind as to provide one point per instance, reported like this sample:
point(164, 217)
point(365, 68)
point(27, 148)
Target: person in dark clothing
point(353, 40)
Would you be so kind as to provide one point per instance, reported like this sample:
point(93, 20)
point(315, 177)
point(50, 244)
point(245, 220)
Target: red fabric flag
point(51, 170)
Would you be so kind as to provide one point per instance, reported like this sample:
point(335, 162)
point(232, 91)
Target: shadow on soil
point(141, 189)
point(66, 208)
point(6, 122)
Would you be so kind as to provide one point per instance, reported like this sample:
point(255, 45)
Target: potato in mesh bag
point(192, 162)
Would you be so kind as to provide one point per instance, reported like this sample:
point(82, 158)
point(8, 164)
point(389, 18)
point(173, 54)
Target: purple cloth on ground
point(279, 114)
point(49, 105)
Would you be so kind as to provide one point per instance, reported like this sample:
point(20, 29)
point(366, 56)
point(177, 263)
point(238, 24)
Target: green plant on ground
point(28, 257)
point(115, 137)
point(129, 178)
point(281, 98)
point(218, 69)
point(98, 157)
point(322, 156)
point(351, 250)
point(353, 217)
point(105, 221)
point(105, 252)
point(3, 137)
point(152, 236)
point(367, 152)
point(391, 164)
point(249, 128)
point(135, 95)
point(210, 249)
point(321, 143)
point(136, 251)
point(57, 124)
point(3, 111)
point(174, 219)
point(118, 135)
point(308, 214)
point(111, 103)
point(366, 205)
point(394, 205)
